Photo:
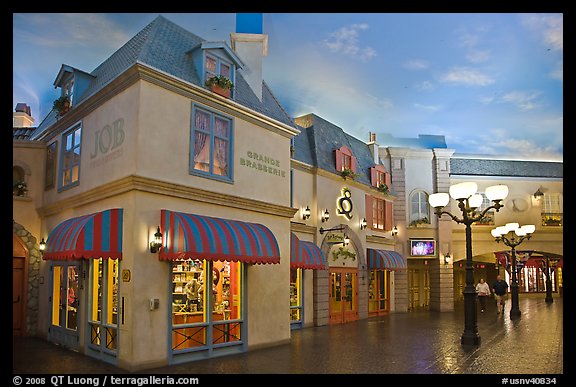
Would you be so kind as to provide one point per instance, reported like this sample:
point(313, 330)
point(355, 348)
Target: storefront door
point(414, 288)
point(103, 309)
point(65, 304)
point(343, 293)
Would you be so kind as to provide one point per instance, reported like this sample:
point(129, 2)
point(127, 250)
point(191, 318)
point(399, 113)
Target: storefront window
point(295, 295)
point(531, 279)
point(201, 317)
point(65, 297)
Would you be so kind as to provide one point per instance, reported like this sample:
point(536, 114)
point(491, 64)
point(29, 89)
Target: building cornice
point(144, 184)
point(28, 144)
point(302, 228)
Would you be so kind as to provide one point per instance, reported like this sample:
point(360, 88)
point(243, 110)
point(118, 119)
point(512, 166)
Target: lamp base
point(515, 313)
point(470, 339)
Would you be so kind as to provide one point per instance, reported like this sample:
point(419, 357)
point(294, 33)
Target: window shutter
point(338, 160)
point(353, 164)
point(373, 176)
point(369, 210)
point(388, 216)
point(387, 179)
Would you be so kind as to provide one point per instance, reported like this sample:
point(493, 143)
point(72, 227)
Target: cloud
point(524, 101)
point(478, 56)
point(549, 27)
point(73, 30)
point(558, 72)
point(345, 41)
point(416, 64)
point(466, 76)
point(425, 86)
point(428, 108)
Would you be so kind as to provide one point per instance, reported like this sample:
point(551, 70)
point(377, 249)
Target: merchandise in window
point(201, 317)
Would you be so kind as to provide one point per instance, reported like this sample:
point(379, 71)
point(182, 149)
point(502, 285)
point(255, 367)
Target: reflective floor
point(419, 342)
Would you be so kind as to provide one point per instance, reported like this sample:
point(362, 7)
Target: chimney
point(373, 146)
point(251, 46)
point(22, 117)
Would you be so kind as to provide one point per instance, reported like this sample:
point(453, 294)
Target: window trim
point(210, 175)
point(411, 219)
point(70, 130)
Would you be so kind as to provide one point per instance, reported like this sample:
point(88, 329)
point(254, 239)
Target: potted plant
point(221, 85)
point(346, 172)
point(20, 189)
point(62, 105)
point(383, 187)
point(417, 222)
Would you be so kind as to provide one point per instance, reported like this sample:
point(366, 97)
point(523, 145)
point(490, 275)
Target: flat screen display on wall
point(422, 247)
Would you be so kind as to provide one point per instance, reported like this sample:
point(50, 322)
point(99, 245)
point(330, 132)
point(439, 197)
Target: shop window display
point(295, 295)
point(202, 317)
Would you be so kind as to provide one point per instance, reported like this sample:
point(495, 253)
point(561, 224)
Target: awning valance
point(97, 235)
point(305, 255)
point(190, 236)
point(385, 259)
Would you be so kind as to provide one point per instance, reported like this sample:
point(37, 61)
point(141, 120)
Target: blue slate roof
point(165, 46)
point(317, 141)
point(509, 168)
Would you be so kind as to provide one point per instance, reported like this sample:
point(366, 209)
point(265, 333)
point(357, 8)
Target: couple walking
point(499, 288)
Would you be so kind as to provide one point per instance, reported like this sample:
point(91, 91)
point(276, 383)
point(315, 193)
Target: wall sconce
point(42, 245)
point(363, 224)
point(157, 243)
point(325, 216)
point(538, 194)
point(306, 213)
point(394, 231)
point(446, 258)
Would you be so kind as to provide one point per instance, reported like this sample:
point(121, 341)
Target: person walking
point(483, 291)
point(500, 290)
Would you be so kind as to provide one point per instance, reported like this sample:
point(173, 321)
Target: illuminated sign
point(345, 205)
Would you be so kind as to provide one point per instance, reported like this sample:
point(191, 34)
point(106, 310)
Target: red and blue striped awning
point(97, 235)
point(385, 260)
point(305, 255)
point(190, 236)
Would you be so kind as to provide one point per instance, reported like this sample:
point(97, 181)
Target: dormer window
point(345, 160)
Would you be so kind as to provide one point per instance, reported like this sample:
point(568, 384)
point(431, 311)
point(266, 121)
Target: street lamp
point(468, 203)
point(548, 267)
point(523, 233)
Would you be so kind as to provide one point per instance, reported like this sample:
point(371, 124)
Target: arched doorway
point(19, 288)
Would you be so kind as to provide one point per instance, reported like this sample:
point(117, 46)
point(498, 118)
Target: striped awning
point(97, 235)
point(305, 255)
point(190, 236)
point(385, 259)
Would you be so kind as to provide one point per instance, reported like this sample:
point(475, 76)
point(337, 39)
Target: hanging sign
point(345, 205)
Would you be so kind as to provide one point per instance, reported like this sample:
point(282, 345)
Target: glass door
point(103, 309)
point(343, 294)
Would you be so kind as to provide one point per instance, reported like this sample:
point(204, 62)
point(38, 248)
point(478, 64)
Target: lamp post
point(548, 275)
point(523, 233)
point(468, 203)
